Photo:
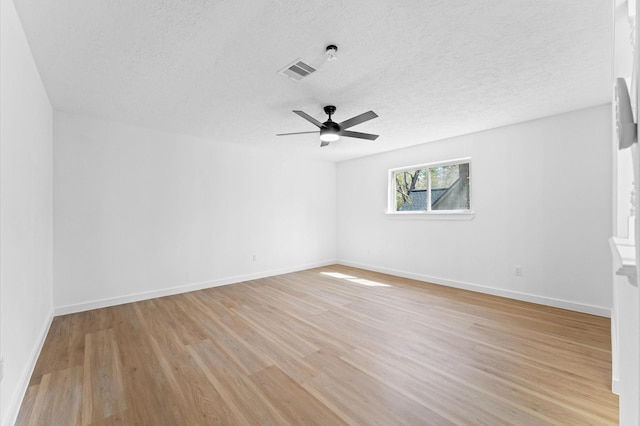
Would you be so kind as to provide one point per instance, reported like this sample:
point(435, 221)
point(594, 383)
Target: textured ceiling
point(430, 69)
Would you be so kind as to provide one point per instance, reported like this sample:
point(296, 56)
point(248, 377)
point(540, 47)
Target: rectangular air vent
point(297, 70)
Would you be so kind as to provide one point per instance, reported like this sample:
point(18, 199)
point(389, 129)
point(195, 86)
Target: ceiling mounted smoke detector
point(331, 52)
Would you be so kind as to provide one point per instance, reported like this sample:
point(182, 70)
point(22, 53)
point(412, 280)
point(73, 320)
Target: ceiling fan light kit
point(330, 130)
point(329, 135)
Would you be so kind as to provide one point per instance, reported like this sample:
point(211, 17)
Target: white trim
point(432, 215)
point(185, 288)
point(25, 377)
point(615, 386)
point(526, 297)
point(431, 165)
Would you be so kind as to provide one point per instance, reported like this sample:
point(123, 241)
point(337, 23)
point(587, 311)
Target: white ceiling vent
point(297, 70)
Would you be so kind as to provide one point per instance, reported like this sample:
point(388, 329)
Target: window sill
point(448, 215)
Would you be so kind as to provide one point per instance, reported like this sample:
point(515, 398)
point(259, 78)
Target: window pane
point(450, 187)
point(411, 190)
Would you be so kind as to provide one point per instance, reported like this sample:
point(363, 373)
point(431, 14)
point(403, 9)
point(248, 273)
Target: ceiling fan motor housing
point(330, 126)
point(330, 131)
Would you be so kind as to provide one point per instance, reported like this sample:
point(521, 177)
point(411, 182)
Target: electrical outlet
point(518, 271)
point(253, 258)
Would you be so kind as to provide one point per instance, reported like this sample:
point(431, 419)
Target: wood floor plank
point(331, 345)
point(356, 393)
point(251, 357)
point(268, 323)
point(28, 402)
point(103, 390)
point(237, 390)
point(58, 399)
point(146, 387)
point(293, 402)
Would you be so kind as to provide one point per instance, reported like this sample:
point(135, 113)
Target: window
point(431, 188)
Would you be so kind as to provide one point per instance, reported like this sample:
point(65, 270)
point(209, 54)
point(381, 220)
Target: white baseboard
point(136, 297)
point(25, 377)
point(526, 297)
point(615, 386)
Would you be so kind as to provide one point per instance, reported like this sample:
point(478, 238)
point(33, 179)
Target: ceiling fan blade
point(360, 135)
point(295, 133)
point(323, 143)
point(365, 116)
point(308, 118)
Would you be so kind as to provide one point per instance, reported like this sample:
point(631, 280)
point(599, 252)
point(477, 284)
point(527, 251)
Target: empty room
point(330, 212)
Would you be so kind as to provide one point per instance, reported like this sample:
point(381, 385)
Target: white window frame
point(391, 201)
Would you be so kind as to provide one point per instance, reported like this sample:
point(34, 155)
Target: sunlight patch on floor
point(355, 280)
point(337, 275)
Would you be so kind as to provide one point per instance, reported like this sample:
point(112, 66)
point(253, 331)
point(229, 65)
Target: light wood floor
point(314, 347)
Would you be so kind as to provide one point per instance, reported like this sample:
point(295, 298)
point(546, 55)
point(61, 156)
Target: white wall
point(141, 213)
point(26, 306)
point(541, 192)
